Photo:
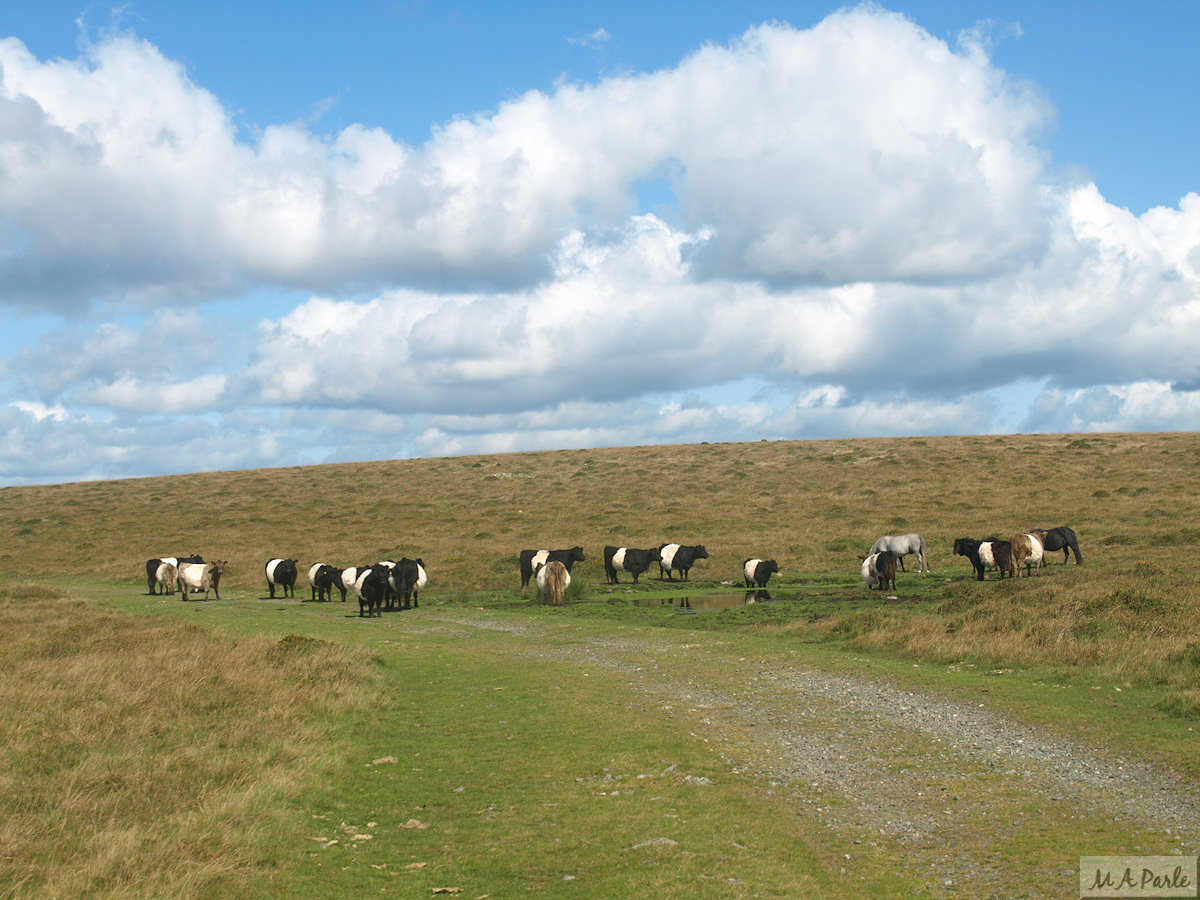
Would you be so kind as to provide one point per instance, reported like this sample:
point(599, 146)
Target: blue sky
point(270, 234)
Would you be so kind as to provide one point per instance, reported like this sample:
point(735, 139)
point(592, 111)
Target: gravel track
point(870, 767)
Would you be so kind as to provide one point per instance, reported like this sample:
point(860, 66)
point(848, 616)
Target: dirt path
point(977, 804)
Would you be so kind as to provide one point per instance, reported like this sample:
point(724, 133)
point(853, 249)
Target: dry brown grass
point(1134, 500)
point(812, 505)
point(1127, 620)
point(146, 758)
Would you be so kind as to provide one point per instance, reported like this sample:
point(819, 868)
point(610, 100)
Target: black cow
point(281, 573)
point(969, 547)
point(323, 578)
point(371, 587)
point(350, 575)
point(632, 561)
point(676, 558)
point(758, 571)
point(530, 559)
point(986, 553)
point(389, 592)
point(1061, 538)
point(153, 564)
point(406, 577)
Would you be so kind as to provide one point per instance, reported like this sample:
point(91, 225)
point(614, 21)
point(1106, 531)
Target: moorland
point(156, 746)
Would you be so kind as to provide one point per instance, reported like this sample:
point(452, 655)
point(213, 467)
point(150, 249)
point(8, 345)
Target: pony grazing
point(154, 567)
point(868, 570)
point(1060, 538)
point(1027, 552)
point(879, 569)
point(553, 580)
point(530, 559)
point(902, 545)
point(167, 575)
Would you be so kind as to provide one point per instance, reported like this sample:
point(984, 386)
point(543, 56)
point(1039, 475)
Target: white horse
point(902, 545)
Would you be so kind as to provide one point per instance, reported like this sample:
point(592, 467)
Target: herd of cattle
point(391, 585)
point(381, 586)
point(670, 558)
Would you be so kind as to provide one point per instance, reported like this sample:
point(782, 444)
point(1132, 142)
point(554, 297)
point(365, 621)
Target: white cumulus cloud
point(863, 237)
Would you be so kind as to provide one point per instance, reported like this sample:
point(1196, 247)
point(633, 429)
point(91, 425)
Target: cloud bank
point(861, 236)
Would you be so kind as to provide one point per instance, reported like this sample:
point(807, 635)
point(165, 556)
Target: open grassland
point(161, 748)
point(811, 505)
point(1133, 499)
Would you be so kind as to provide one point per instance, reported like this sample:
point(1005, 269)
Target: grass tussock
point(145, 758)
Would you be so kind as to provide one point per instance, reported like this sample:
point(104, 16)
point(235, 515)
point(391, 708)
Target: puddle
point(712, 601)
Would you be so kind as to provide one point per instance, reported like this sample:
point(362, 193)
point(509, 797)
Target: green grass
point(157, 747)
point(538, 750)
point(513, 775)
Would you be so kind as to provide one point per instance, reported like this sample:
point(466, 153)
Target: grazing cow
point(1027, 552)
point(879, 569)
point(531, 558)
point(405, 577)
point(553, 580)
point(677, 558)
point(995, 553)
point(323, 578)
point(389, 590)
point(969, 547)
point(902, 545)
point(1060, 538)
point(371, 585)
point(626, 559)
point(758, 571)
point(166, 575)
point(349, 576)
point(152, 565)
point(200, 577)
point(281, 573)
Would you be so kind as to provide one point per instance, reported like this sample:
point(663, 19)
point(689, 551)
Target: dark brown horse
point(1061, 538)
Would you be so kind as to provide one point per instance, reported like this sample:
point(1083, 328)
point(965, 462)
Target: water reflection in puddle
point(710, 601)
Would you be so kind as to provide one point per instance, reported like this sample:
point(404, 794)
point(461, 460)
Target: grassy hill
point(159, 748)
point(811, 505)
point(1133, 499)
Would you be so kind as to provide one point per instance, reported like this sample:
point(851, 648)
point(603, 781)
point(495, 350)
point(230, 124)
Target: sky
point(265, 234)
